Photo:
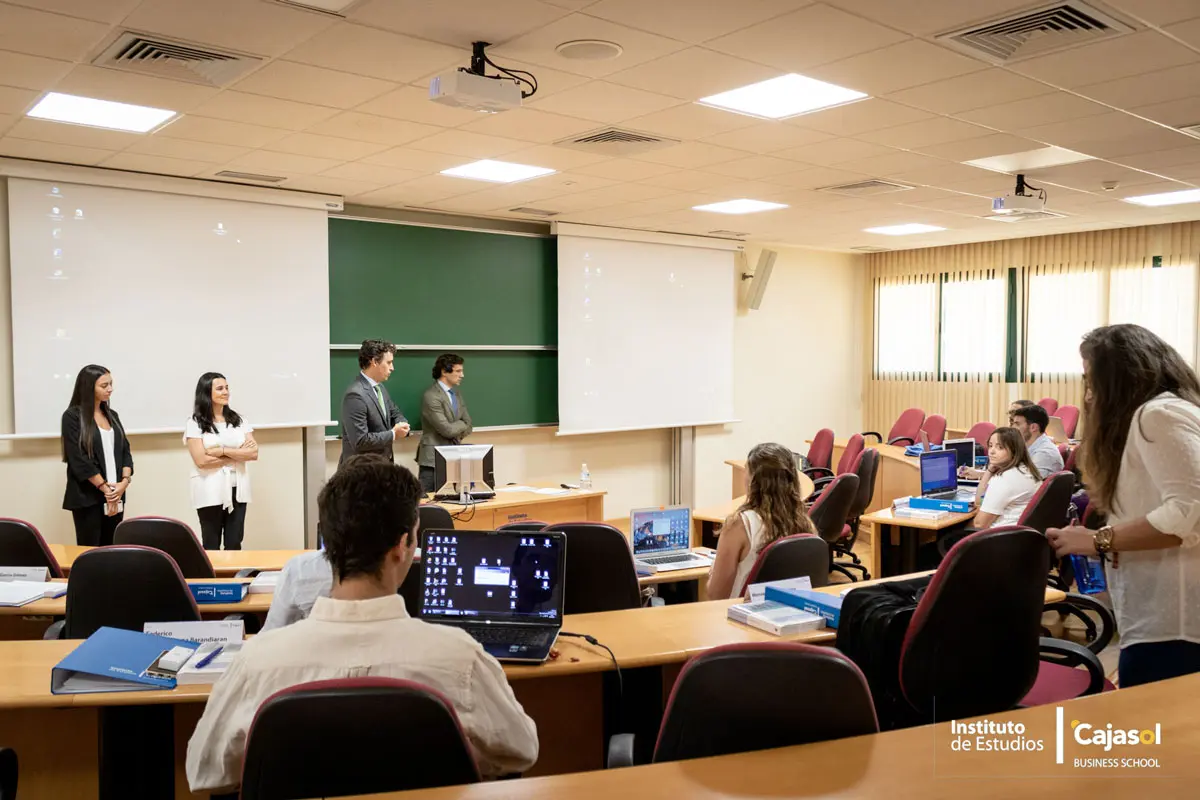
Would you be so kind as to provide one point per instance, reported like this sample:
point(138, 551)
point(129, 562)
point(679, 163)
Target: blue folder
point(114, 660)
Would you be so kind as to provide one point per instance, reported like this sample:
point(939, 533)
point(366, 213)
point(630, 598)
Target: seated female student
point(773, 508)
point(1008, 483)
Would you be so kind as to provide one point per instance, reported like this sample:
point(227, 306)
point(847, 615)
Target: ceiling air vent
point(616, 142)
point(250, 176)
point(1046, 29)
point(176, 60)
point(537, 212)
point(1026, 217)
point(866, 188)
point(867, 248)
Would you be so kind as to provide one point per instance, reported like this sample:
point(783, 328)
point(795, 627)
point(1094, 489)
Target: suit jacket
point(440, 424)
point(365, 429)
point(80, 492)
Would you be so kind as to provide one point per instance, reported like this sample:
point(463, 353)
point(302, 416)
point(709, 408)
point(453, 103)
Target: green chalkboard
point(420, 285)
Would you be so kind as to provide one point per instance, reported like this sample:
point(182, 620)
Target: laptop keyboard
point(490, 634)
point(656, 560)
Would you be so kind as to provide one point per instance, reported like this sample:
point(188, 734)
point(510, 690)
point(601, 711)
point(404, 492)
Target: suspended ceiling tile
point(468, 21)
point(308, 84)
point(755, 167)
point(997, 144)
point(334, 186)
point(468, 145)
point(77, 135)
point(155, 165)
point(311, 144)
point(1132, 54)
point(622, 169)
point(37, 33)
point(529, 125)
point(413, 104)
point(1148, 88)
point(854, 119)
point(691, 20)
point(52, 151)
point(107, 11)
point(30, 72)
point(361, 171)
point(604, 102)
point(220, 131)
point(974, 90)
point(16, 101)
point(767, 137)
point(691, 155)
point(262, 29)
point(926, 132)
point(405, 158)
point(370, 128)
point(184, 150)
point(537, 47)
point(690, 121)
point(901, 66)
point(377, 54)
point(694, 73)
point(1176, 113)
point(270, 112)
point(834, 151)
point(930, 16)
point(688, 180)
point(124, 87)
point(273, 163)
point(1022, 115)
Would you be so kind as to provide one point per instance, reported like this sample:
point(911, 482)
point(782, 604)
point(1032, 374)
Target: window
point(905, 330)
point(1061, 308)
point(974, 326)
point(1162, 299)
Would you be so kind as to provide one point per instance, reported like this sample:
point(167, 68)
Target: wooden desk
point(912, 763)
point(571, 506)
point(889, 530)
point(225, 562)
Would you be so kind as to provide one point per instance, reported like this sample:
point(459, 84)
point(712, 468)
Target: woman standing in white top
point(1008, 483)
point(773, 509)
point(220, 443)
point(1141, 463)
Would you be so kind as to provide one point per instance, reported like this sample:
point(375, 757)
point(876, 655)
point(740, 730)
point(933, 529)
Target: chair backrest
point(171, 536)
point(935, 427)
point(600, 571)
point(981, 432)
point(737, 698)
point(831, 511)
point(972, 645)
point(820, 452)
point(790, 557)
point(850, 454)
point(1049, 505)
point(1050, 404)
point(866, 469)
point(355, 736)
point(125, 586)
point(8, 774)
point(434, 518)
point(1070, 419)
point(524, 525)
point(21, 545)
point(908, 425)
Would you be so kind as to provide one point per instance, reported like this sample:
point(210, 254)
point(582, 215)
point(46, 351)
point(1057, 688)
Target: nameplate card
point(758, 591)
point(218, 631)
point(35, 574)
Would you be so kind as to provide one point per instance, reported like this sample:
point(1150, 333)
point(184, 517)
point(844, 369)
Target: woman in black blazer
point(96, 452)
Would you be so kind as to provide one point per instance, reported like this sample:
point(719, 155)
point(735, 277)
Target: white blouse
point(1156, 593)
point(215, 486)
point(108, 443)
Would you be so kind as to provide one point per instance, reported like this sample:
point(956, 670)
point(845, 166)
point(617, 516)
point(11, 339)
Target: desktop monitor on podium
point(463, 472)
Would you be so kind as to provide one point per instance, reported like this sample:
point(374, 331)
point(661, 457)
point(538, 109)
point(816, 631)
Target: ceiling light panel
point(739, 206)
point(786, 96)
point(904, 230)
point(95, 113)
point(496, 171)
point(1166, 198)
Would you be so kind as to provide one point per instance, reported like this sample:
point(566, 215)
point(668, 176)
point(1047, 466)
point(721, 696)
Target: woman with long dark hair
point(1008, 483)
point(99, 463)
point(1141, 464)
point(220, 443)
point(774, 508)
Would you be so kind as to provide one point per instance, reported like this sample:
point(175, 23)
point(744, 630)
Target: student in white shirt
point(369, 523)
point(1008, 483)
point(304, 578)
point(774, 508)
point(221, 443)
point(1031, 422)
point(1141, 459)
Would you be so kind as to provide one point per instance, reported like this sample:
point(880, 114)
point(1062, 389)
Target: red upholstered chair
point(906, 430)
point(171, 536)
point(790, 557)
point(308, 741)
point(850, 454)
point(1070, 419)
point(742, 697)
point(981, 432)
point(954, 667)
point(820, 455)
point(866, 469)
point(530, 525)
point(21, 545)
point(1048, 508)
point(600, 574)
point(1050, 404)
point(935, 428)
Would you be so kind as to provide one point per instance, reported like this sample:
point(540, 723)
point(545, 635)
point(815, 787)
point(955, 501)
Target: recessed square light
point(496, 171)
point(904, 230)
point(99, 113)
point(1166, 198)
point(740, 206)
point(1040, 158)
point(785, 96)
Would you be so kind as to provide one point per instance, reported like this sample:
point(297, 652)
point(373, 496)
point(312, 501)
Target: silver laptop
point(1056, 431)
point(662, 539)
point(964, 450)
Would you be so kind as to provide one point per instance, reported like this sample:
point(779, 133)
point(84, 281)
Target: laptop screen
point(964, 450)
point(938, 471)
point(514, 576)
point(659, 530)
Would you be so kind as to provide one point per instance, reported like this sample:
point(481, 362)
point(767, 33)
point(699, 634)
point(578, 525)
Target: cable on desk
point(592, 640)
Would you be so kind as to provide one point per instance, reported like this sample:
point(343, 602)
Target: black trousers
point(426, 476)
point(92, 528)
point(215, 521)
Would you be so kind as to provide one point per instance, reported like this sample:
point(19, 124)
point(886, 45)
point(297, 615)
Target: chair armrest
point(821, 483)
point(1069, 654)
point(816, 473)
point(1079, 604)
point(248, 572)
point(620, 750)
point(878, 436)
point(55, 631)
point(906, 440)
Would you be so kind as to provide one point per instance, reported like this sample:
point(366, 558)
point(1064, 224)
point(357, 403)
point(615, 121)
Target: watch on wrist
point(1104, 540)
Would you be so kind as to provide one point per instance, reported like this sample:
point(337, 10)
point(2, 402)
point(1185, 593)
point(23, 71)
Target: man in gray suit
point(444, 417)
point(370, 420)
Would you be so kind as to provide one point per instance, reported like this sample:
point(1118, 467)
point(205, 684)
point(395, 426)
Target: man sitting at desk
point(369, 523)
point(1032, 421)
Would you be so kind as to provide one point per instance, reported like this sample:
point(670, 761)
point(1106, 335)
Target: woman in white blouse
point(221, 443)
point(1141, 463)
point(1008, 483)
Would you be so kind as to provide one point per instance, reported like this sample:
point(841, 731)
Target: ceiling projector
point(471, 88)
point(1024, 200)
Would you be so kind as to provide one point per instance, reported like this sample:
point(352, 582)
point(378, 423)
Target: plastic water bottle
point(585, 479)
point(1089, 574)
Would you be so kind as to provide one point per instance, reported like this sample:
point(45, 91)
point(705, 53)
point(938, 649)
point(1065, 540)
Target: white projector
point(475, 92)
point(1019, 204)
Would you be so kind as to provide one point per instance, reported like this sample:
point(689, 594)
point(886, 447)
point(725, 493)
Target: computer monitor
point(660, 530)
point(463, 468)
point(964, 450)
point(939, 472)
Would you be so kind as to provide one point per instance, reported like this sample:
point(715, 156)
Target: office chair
point(21, 545)
point(1099, 624)
point(907, 429)
point(1070, 419)
point(954, 665)
point(531, 525)
point(820, 455)
point(935, 428)
point(866, 469)
point(8, 773)
point(170, 536)
point(600, 574)
point(308, 741)
point(1046, 509)
point(981, 432)
point(435, 518)
point(830, 513)
point(854, 446)
point(790, 557)
point(1050, 404)
point(123, 586)
point(742, 697)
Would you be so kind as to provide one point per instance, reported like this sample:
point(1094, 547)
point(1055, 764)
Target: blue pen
point(205, 661)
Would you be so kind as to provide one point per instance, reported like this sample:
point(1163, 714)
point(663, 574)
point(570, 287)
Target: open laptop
point(504, 588)
point(964, 452)
point(939, 477)
point(662, 539)
point(1056, 431)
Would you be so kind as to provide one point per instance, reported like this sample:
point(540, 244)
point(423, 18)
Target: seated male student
point(304, 578)
point(369, 524)
point(1032, 421)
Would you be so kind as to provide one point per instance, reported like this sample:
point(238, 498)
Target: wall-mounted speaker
point(759, 278)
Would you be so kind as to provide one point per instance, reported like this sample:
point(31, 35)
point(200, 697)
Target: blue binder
point(114, 660)
point(828, 606)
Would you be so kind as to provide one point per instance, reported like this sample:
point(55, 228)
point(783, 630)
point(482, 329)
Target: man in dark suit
point(444, 416)
point(370, 420)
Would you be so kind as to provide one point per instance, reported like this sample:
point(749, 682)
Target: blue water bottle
point(1089, 574)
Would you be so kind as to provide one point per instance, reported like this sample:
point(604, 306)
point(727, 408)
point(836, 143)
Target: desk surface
point(225, 562)
point(505, 499)
point(911, 763)
point(885, 517)
point(57, 607)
